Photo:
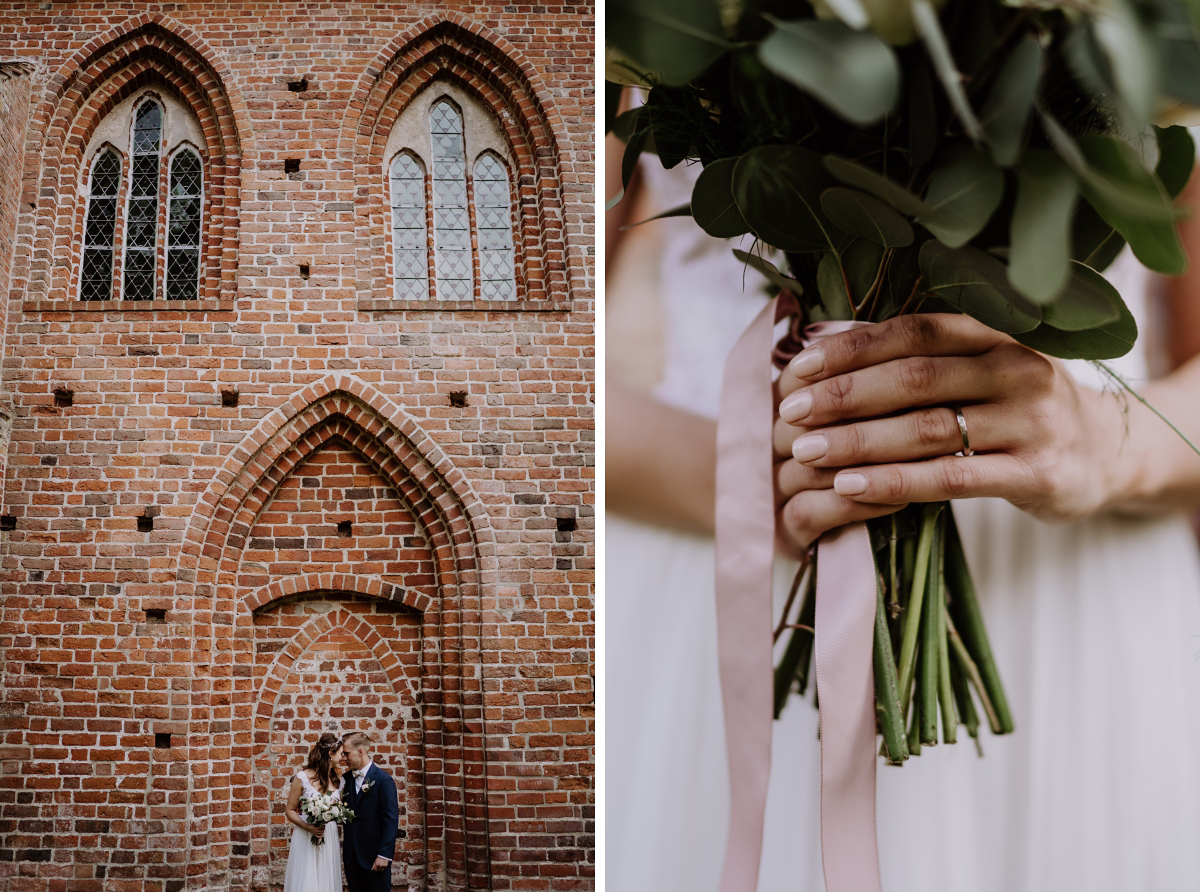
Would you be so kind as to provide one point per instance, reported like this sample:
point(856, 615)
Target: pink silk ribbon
point(845, 627)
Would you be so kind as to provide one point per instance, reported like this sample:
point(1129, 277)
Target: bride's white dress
point(312, 868)
point(1096, 629)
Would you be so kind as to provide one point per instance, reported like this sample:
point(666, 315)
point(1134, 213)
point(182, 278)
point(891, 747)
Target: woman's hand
point(873, 411)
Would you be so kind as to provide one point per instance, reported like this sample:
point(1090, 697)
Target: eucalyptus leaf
point(1010, 101)
point(1118, 172)
point(1176, 156)
point(684, 210)
point(713, 207)
point(674, 39)
point(778, 191)
point(769, 271)
point(1176, 36)
point(670, 126)
point(929, 28)
point(865, 216)
point(832, 288)
point(977, 284)
point(1088, 301)
point(853, 72)
point(1109, 341)
point(1130, 52)
point(964, 191)
point(1038, 263)
point(854, 174)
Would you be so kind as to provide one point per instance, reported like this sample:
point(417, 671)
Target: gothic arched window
point(100, 227)
point(142, 232)
point(452, 236)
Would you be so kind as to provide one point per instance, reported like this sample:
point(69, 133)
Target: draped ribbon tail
point(745, 527)
point(845, 626)
point(845, 629)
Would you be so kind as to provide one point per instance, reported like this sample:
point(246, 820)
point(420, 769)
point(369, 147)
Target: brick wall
point(453, 620)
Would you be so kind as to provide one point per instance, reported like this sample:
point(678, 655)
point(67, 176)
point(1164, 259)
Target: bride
point(315, 868)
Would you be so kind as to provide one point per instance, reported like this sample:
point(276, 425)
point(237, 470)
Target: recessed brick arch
point(145, 52)
point(319, 682)
point(372, 586)
point(222, 727)
point(451, 47)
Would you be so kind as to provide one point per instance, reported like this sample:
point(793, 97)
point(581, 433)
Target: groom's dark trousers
point(372, 832)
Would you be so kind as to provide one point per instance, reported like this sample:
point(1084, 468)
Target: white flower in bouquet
point(322, 809)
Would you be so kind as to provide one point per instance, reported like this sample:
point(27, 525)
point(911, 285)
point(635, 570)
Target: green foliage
point(992, 167)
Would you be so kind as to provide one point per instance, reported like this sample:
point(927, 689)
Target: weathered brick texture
point(345, 548)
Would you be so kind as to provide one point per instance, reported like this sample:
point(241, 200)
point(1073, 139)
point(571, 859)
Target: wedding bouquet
point(322, 809)
point(986, 157)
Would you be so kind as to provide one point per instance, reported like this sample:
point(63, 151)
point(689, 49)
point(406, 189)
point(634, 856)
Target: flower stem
point(927, 679)
point(887, 697)
point(964, 609)
point(912, 612)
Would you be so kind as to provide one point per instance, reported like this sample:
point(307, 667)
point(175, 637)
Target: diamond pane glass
point(99, 228)
point(493, 216)
point(141, 214)
point(451, 228)
point(410, 238)
point(184, 200)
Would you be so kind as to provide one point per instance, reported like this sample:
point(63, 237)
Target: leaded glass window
point(451, 228)
point(100, 227)
point(183, 226)
point(141, 218)
point(493, 216)
point(410, 239)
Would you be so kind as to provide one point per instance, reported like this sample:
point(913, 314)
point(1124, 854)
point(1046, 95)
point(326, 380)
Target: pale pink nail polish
point(795, 406)
point(849, 484)
point(808, 362)
point(810, 447)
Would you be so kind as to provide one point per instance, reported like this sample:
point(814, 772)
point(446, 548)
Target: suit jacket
point(376, 818)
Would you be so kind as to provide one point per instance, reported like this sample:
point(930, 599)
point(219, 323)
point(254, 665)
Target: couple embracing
point(341, 784)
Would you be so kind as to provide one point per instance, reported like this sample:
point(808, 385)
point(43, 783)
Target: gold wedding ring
point(962, 429)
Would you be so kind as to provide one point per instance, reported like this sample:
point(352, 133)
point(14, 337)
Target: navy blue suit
point(372, 832)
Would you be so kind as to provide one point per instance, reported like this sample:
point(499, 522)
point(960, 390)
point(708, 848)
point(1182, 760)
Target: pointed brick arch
point(343, 409)
point(453, 48)
point(393, 716)
point(147, 51)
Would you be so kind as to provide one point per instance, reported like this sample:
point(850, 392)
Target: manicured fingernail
point(795, 405)
point(809, 447)
point(808, 362)
point(849, 484)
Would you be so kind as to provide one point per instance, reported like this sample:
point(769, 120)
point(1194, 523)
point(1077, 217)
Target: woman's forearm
point(1163, 471)
point(660, 461)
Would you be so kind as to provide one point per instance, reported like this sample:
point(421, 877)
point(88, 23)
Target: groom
point(370, 839)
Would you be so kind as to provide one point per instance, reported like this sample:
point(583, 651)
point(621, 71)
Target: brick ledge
point(128, 306)
point(491, 306)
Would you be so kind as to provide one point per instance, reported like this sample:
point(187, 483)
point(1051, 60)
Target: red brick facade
point(192, 587)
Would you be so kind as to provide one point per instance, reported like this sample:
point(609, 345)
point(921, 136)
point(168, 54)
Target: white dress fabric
point(313, 868)
point(1095, 627)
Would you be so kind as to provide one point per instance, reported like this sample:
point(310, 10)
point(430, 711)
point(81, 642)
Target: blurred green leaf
point(977, 284)
point(1088, 301)
point(1038, 264)
point(926, 21)
point(1176, 36)
point(1176, 156)
point(853, 72)
point(612, 101)
point(778, 191)
point(832, 288)
point(1109, 341)
point(669, 125)
point(1010, 101)
point(1130, 52)
point(860, 214)
point(877, 184)
point(684, 210)
point(964, 191)
point(770, 271)
point(1116, 172)
point(713, 207)
point(675, 39)
point(1093, 242)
